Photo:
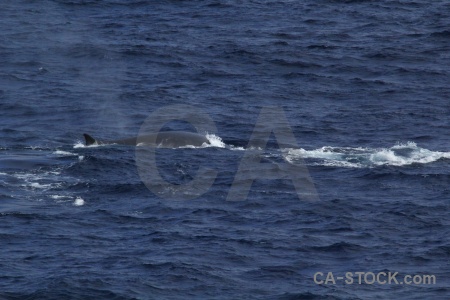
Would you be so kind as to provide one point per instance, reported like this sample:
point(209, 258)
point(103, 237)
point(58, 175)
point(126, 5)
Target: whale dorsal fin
point(89, 140)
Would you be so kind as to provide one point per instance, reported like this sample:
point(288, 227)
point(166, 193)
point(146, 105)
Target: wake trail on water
point(358, 157)
point(401, 154)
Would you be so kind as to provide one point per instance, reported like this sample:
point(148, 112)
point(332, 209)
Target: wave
point(398, 155)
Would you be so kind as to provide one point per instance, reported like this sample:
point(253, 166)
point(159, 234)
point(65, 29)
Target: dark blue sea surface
point(364, 86)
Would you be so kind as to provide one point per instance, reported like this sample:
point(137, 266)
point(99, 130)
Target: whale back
point(169, 139)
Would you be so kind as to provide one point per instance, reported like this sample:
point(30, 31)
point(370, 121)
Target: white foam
point(64, 153)
point(79, 144)
point(37, 185)
point(78, 202)
point(398, 155)
point(34, 148)
point(57, 197)
point(233, 148)
point(39, 181)
point(28, 176)
point(214, 141)
point(184, 147)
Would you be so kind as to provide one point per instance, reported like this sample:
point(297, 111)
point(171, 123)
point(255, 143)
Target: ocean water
point(362, 85)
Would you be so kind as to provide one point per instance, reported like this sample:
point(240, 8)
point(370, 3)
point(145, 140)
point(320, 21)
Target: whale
point(163, 139)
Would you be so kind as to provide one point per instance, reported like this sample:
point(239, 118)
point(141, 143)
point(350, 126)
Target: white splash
point(78, 201)
point(215, 141)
